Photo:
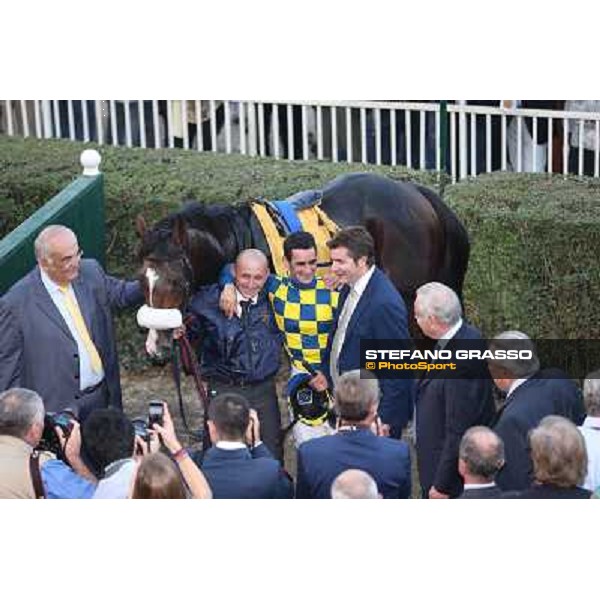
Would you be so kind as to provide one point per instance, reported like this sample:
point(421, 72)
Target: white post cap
point(90, 160)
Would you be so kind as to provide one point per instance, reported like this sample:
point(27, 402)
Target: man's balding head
point(354, 484)
point(57, 253)
point(481, 455)
point(251, 271)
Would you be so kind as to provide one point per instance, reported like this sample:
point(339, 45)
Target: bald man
point(241, 354)
point(354, 484)
point(56, 328)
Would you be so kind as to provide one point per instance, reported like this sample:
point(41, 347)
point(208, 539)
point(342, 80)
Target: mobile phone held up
point(156, 411)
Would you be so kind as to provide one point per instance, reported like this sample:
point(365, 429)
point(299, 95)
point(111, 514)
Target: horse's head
point(166, 274)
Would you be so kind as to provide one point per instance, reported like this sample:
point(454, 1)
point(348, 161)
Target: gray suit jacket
point(37, 350)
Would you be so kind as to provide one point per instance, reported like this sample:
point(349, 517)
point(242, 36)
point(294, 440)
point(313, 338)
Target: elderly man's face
point(250, 276)
point(62, 259)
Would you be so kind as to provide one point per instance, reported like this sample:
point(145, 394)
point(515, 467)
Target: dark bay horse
point(417, 237)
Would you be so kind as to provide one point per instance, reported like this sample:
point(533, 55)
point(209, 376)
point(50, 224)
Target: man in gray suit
point(56, 328)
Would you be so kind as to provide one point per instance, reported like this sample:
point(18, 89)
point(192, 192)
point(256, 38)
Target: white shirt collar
point(591, 423)
point(50, 285)
point(360, 284)
point(479, 486)
point(227, 445)
point(515, 384)
point(452, 331)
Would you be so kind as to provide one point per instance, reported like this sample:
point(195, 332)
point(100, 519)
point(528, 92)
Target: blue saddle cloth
point(287, 208)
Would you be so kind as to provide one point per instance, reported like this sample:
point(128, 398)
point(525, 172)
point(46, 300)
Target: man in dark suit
point(480, 456)
point(239, 465)
point(355, 445)
point(370, 307)
point(531, 394)
point(56, 328)
point(447, 407)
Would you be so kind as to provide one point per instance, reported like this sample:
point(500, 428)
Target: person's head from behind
point(506, 370)
point(437, 309)
point(300, 251)
point(480, 455)
point(58, 254)
point(251, 270)
point(558, 453)
point(107, 436)
point(228, 418)
point(22, 415)
point(352, 254)
point(158, 478)
point(357, 397)
point(354, 484)
point(591, 394)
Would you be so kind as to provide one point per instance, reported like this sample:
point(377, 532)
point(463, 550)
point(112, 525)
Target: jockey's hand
point(319, 382)
point(228, 300)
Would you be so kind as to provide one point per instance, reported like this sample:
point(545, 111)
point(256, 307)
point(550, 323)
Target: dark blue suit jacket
point(446, 408)
point(245, 474)
point(37, 350)
point(548, 392)
point(321, 460)
point(379, 314)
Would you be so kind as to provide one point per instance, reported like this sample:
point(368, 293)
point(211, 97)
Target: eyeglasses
point(67, 260)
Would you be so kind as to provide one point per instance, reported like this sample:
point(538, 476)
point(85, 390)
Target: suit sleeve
point(405, 490)
point(460, 396)
point(397, 395)
point(11, 348)
point(121, 293)
point(302, 487)
point(516, 473)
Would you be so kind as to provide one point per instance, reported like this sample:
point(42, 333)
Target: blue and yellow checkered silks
point(305, 315)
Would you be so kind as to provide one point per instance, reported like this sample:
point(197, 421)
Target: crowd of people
point(351, 429)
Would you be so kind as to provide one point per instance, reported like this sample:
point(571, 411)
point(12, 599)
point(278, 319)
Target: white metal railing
point(479, 138)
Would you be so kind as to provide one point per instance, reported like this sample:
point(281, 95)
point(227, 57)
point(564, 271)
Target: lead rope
point(182, 347)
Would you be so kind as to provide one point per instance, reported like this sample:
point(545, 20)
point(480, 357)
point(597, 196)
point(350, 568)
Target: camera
point(143, 425)
point(156, 411)
point(140, 427)
point(50, 442)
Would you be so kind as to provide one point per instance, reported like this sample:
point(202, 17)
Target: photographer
point(27, 474)
point(239, 465)
point(157, 477)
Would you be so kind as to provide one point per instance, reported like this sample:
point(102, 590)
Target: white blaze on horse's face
point(152, 277)
point(151, 342)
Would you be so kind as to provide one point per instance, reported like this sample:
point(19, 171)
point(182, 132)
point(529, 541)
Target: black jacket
point(445, 409)
point(548, 392)
point(246, 349)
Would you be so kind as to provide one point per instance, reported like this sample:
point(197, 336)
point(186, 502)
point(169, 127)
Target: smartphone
point(155, 414)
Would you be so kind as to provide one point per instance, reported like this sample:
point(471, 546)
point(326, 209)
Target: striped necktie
point(84, 334)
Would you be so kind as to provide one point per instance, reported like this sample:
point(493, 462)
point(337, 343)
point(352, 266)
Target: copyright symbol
point(370, 365)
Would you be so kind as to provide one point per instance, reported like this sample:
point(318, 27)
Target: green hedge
point(153, 183)
point(535, 244)
point(535, 238)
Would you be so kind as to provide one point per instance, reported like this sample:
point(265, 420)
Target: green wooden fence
point(80, 206)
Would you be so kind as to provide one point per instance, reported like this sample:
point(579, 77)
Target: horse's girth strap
point(322, 228)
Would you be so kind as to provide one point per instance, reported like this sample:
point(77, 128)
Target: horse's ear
point(140, 225)
point(180, 237)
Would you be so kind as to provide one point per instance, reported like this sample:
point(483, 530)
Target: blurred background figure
point(590, 429)
point(559, 461)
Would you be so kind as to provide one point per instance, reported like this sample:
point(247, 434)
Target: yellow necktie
point(77, 317)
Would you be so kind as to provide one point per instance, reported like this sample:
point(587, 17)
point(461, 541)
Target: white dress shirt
point(87, 376)
point(356, 291)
